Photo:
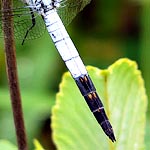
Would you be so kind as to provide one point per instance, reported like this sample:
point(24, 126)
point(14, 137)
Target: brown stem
point(11, 68)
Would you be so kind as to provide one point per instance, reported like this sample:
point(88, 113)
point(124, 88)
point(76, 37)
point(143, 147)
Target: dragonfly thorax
point(42, 6)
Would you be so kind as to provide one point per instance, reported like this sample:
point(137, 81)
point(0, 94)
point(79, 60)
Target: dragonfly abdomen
point(92, 99)
point(64, 44)
point(75, 65)
point(102, 119)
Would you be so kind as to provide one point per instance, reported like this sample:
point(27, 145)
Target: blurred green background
point(103, 32)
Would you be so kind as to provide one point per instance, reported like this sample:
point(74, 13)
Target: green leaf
point(122, 91)
point(6, 145)
point(37, 145)
point(36, 107)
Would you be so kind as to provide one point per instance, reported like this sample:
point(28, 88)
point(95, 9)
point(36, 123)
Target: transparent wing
point(23, 17)
point(70, 8)
point(23, 21)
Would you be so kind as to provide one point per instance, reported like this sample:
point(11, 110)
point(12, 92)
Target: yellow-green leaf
point(6, 145)
point(37, 145)
point(122, 91)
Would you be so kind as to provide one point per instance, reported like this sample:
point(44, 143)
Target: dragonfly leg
point(33, 24)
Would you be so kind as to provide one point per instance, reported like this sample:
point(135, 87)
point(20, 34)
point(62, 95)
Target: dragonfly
point(49, 11)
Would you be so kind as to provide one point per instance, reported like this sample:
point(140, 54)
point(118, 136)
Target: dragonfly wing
point(70, 8)
point(23, 20)
point(22, 16)
point(23, 24)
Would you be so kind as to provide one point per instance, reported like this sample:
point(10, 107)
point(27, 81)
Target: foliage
point(122, 90)
point(37, 145)
point(113, 30)
point(7, 145)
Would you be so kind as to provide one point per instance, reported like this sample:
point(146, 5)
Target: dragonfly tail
point(95, 104)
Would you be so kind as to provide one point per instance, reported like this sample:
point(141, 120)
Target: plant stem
point(11, 68)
